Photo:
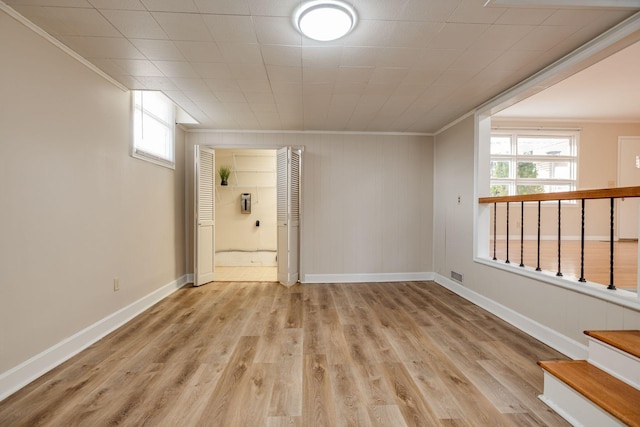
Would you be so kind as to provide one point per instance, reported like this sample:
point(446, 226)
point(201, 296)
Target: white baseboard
point(559, 342)
point(21, 375)
point(372, 277)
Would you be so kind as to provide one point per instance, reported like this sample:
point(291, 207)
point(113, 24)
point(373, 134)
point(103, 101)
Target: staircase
point(602, 391)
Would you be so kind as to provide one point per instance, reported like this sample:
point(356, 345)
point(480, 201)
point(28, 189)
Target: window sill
point(153, 159)
point(619, 296)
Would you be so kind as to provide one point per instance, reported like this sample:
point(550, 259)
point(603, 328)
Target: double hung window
point(530, 162)
point(153, 128)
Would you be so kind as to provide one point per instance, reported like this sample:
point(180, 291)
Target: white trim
point(561, 343)
point(455, 122)
point(21, 375)
point(620, 297)
point(366, 277)
point(573, 406)
point(42, 33)
point(617, 363)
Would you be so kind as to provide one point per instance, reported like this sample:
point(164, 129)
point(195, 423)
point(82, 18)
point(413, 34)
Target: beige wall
point(254, 172)
point(597, 168)
point(77, 210)
point(561, 310)
point(366, 203)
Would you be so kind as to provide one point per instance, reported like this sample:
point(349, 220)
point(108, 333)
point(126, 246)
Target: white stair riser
point(573, 406)
point(615, 362)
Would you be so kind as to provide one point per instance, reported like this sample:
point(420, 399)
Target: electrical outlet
point(116, 284)
point(459, 200)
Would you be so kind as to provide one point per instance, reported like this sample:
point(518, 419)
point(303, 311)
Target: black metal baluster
point(507, 260)
point(495, 206)
point(611, 285)
point(538, 267)
point(582, 279)
point(522, 234)
point(559, 273)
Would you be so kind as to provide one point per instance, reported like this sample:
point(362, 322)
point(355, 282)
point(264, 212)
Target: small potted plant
point(224, 173)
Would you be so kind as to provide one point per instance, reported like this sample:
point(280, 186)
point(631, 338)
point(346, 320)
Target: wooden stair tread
point(614, 396)
point(627, 341)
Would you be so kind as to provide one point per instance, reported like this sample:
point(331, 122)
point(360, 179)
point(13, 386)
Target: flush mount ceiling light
point(325, 20)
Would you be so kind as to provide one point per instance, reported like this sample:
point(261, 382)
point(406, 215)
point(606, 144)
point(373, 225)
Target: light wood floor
point(246, 274)
point(259, 354)
point(596, 263)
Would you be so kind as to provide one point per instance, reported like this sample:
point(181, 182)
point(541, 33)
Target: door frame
point(245, 147)
point(621, 140)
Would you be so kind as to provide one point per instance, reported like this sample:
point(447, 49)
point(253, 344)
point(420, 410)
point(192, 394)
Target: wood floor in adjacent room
point(259, 354)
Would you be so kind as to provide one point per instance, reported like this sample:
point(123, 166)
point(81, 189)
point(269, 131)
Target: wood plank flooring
point(596, 259)
point(260, 354)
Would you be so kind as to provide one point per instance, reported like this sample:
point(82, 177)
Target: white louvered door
point(289, 179)
point(205, 215)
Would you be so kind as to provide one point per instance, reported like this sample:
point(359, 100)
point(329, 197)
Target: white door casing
point(628, 176)
point(289, 169)
point(204, 250)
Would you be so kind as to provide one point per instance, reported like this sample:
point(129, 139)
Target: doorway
point(245, 216)
point(628, 176)
point(260, 194)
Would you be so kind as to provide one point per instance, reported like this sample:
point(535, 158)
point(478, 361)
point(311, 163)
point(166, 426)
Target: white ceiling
point(408, 66)
point(606, 91)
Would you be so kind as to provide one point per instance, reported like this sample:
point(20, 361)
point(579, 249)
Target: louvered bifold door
point(205, 215)
point(289, 180)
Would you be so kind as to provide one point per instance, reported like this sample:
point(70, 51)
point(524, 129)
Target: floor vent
point(456, 276)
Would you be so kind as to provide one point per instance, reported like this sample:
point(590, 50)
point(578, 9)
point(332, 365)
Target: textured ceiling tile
point(276, 30)
point(212, 70)
point(407, 65)
point(185, 6)
point(525, 16)
point(176, 69)
point(457, 36)
point(284, 73)
point(544, 38)
point(236, 29)
point(241, 53)
point(223, 7)
point(118, 4)
point(321, 57)
point(501, 37)
point(158, 49)
point(138, 67)
point(183, 26)
point(195, 51)
point(282, 55)
point(474, 12)
point(429, 11)
point(273, 7)
point(103, 47)
point(413, 34)
point(319, 75)
point(354, 74)
point(222, 84)
point(63, 21)
point(369, 33)
point(135, 24)
point(53, 3)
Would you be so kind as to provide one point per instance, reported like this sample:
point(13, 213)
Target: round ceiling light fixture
point(325, 20)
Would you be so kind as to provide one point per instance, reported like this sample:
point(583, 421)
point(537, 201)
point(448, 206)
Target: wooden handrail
point(601, 193)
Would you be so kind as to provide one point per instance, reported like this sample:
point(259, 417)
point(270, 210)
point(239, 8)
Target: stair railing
point(582, 195)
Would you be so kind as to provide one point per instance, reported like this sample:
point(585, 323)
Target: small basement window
point(153, 128)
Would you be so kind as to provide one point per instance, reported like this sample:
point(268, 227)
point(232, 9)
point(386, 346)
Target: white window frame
point(138, 111)
point(513, 181)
